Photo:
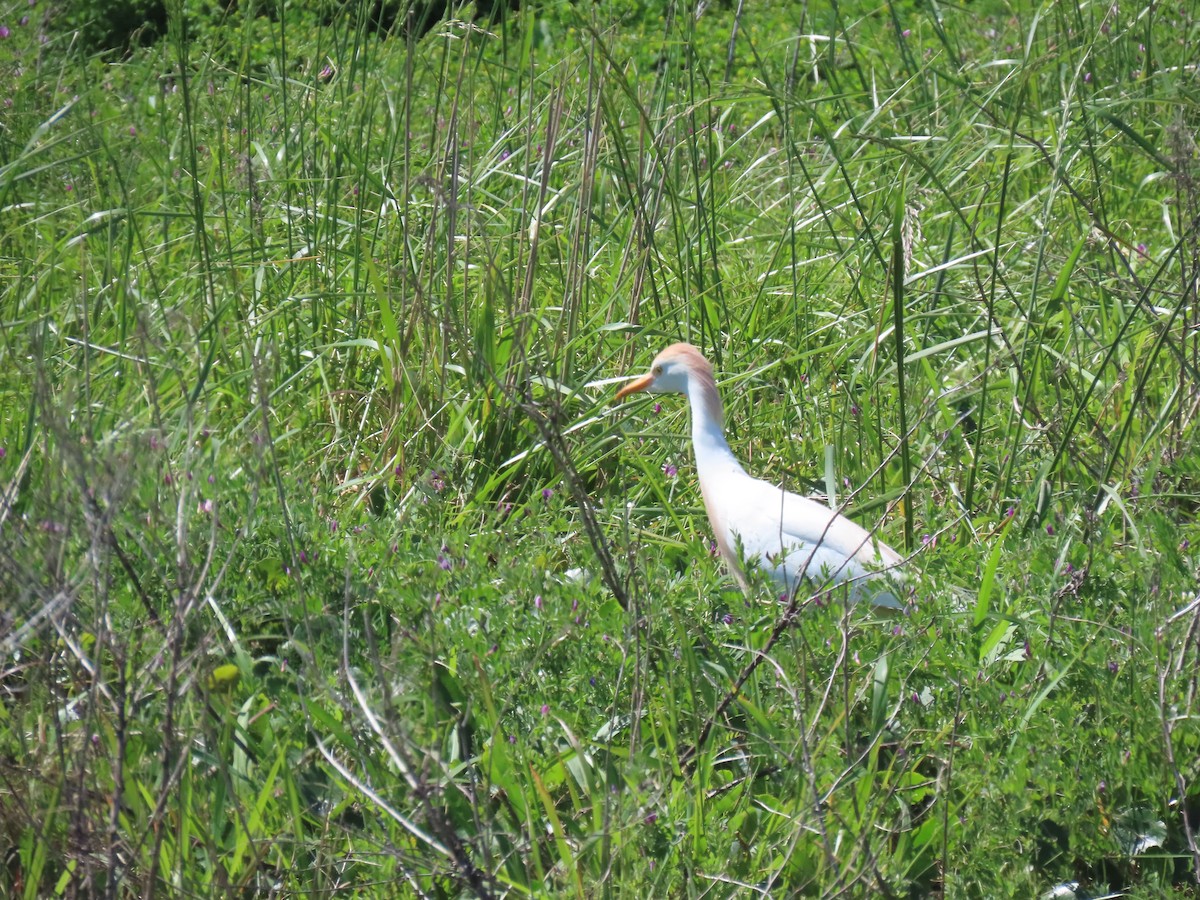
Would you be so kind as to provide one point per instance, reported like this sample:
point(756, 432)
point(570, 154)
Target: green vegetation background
point(326, 564)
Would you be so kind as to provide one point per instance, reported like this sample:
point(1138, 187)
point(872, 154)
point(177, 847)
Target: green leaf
point(565, 855)
point(988, 582)
point(224, 678)
point(879, 694)
point(1063, 283)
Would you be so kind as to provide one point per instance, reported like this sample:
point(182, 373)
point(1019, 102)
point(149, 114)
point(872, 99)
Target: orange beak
point(635, 387)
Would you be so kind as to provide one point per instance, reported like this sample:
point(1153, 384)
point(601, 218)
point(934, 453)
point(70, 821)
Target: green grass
point(327, 564)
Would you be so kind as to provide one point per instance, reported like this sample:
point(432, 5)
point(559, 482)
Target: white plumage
point(789, 536)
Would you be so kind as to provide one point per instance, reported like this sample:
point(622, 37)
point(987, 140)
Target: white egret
point(789, 536)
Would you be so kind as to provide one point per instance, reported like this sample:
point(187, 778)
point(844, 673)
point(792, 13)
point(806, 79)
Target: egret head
point(677, 370)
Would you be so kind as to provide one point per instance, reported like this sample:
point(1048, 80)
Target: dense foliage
point(327, 564)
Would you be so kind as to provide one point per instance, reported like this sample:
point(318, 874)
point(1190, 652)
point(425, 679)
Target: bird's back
point(791, 536)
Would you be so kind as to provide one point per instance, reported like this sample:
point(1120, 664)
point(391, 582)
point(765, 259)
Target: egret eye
point(658, 370)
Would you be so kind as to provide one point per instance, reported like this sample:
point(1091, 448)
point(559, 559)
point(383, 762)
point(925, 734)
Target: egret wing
point(788, 533)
